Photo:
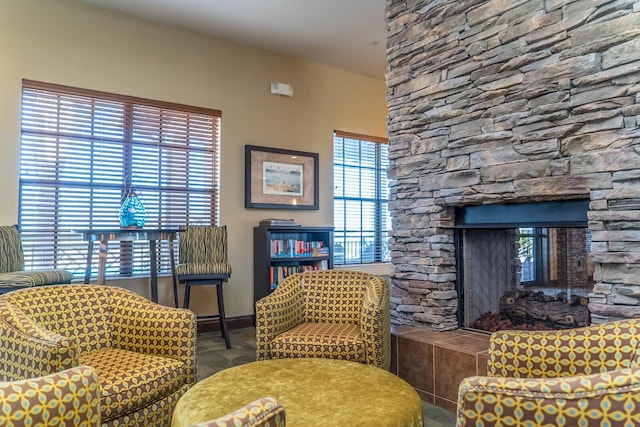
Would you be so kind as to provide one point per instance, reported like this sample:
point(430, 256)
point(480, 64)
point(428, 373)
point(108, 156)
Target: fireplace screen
point(524, 277)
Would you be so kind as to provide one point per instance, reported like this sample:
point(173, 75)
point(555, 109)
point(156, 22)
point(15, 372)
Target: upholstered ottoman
point(313, 392)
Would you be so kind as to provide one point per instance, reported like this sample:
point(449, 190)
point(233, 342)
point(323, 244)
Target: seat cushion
point(203, 269)
point(326, 340)
point(130, 381)
point(24, 279)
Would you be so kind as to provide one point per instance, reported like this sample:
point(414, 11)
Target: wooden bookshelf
point(279, 251)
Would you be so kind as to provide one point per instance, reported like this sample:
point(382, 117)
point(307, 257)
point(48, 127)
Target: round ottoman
point(318, 392)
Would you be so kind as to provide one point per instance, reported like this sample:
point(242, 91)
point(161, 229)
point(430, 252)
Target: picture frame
point(276, 178)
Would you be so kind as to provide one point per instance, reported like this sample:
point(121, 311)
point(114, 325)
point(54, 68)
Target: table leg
point(174, 278)
point(87, 271)
point(154, 271)
point(102, 261)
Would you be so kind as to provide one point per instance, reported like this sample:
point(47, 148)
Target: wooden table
point(104, 236)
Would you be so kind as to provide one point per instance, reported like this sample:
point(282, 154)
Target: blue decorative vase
point(132, 214)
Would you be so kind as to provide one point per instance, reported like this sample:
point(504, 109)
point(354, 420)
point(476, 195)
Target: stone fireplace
point(523, 266)
point(511, 102)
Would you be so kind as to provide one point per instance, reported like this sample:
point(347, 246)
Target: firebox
point(523, 266)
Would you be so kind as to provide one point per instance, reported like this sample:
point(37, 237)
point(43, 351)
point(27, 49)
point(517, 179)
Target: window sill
point(379, 268)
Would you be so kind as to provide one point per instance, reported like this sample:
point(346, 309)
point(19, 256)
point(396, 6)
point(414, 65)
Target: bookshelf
point(282, 250)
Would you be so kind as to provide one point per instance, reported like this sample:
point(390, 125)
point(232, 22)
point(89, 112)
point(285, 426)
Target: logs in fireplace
point(531, 310)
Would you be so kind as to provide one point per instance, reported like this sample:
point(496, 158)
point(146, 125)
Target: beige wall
point(79, 45)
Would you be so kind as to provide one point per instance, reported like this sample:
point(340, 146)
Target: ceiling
point(345, 34)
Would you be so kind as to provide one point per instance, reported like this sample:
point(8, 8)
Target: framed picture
point(280, 179)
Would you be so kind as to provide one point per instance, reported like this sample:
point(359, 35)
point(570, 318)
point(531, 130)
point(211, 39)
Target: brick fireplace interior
point(511, 102)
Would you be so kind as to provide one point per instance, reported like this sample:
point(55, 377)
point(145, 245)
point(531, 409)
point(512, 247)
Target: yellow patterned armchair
point(144, 353)
point(336, 314)
point(67, 398)
point(585, 376)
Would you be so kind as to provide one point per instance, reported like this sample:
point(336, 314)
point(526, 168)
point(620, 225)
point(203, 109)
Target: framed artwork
point(275, 178)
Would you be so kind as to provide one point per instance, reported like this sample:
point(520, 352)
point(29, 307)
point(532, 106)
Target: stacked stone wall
point(506, 101)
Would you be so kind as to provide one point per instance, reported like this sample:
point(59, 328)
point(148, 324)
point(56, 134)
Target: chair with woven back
point(203, 261)
point(12, 273)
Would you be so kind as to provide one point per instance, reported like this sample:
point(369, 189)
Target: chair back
point(203, 245)
point(333, 296)
point(81, 313)
point(11, 255)
point(550, 354)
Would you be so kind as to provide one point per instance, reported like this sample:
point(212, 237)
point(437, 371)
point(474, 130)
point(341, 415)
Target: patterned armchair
point(336, 314)
point(144, 353)
point(265, 412)
point(583, 376)
point(12, 273)
point(67, 398)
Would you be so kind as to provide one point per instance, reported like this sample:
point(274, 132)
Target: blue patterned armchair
point(584, 376)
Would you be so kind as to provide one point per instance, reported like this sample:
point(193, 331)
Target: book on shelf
point(289, 248)
point(278, 221)
point(278, 273)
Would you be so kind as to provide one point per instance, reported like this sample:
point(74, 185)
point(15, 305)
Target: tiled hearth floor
point(213, 356)
point(434, 363)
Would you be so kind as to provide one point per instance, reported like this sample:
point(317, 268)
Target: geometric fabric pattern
point(337, 314)
point(12, 274)
point(552, 354)
point(578, 377)
point(130, 380)
point(327, 340)
point(144, 353)
point(66, 398)
point(606, 399)
point(265, 412)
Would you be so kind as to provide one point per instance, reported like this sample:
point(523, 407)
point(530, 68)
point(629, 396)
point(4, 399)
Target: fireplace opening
point(523, 266)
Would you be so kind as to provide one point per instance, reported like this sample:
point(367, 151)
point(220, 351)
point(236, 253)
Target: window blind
point(80, 149)
point(361, 196)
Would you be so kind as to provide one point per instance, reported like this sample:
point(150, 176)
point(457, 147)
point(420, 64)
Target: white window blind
point(360, 198)
point(79, 149)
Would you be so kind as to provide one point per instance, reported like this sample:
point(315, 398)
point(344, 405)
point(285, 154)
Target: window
point(533, 253)
point(360, 199)
point(79, 149)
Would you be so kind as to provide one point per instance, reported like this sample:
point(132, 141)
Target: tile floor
point(213, 356)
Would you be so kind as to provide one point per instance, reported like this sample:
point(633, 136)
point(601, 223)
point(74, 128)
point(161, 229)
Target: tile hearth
point(435, 362)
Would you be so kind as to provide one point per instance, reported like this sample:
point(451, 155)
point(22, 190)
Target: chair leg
point(223, 318)
point(175, 292)
point(187, 295)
